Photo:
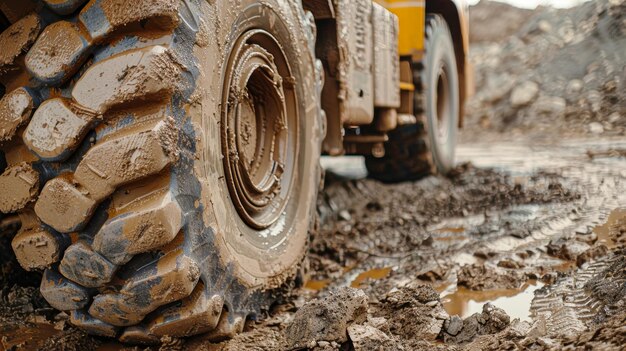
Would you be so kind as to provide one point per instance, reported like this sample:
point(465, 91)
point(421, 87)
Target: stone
point(327, 319)
point(366, 338)
point(524, 94)
point(410, 311)
point(594, 98)
point(550, 105)
point(596, 128)
point(574, 86)
point(615, 117)
point(544, 26)
point(345, 215)
point(453, 325)
point(491, 321)
point(497, 87)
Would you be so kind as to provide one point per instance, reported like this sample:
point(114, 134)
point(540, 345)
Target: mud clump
point(411, 313)
point(17, 39)
point(567, 250)
point(491, 321)
point(367, 337)
point(481, 277)
point(19, 302)
point(591, 254)
point(327, 320)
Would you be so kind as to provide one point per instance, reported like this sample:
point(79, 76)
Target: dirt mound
point(561, 72)
point(492, 21)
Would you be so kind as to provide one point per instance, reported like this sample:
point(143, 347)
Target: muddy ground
point(521, 247)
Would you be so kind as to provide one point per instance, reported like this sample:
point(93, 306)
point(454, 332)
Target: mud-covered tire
point(415, 151)
point(125, 127)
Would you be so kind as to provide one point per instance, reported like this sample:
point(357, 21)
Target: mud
point(468, 268)
point(520, 247)
point(20, 185)
point(17, 39)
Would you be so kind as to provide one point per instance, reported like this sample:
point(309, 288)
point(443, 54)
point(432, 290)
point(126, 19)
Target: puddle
point(454, 230)
point(26, 337)
point(516, 302)
point(452, 238)
point(603, 231)
point(379, 273)
point(317, 285)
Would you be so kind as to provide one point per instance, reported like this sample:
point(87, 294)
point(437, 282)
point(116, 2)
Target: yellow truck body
point(412, 16)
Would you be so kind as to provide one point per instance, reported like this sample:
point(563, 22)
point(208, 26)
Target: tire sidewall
point(440, 54)
point(254, 265)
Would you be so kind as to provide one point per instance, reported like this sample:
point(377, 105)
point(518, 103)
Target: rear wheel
point(164, 164)
point(415, 151)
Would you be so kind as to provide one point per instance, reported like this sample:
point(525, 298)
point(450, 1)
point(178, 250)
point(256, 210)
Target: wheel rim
point(443, 101)
point(260, 129)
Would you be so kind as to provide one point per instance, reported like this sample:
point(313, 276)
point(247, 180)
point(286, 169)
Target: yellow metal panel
point(412, 16)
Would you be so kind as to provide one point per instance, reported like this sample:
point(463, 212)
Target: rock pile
point(564, 70)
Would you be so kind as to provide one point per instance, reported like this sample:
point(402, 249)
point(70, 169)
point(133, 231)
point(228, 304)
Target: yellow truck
point(161, 157)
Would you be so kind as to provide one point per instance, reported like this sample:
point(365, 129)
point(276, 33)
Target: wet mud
point(476, 260)
point(520, 247)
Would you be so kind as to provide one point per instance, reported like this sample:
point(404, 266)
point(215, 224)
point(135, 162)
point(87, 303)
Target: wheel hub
point(443, 106)
point(259, 129)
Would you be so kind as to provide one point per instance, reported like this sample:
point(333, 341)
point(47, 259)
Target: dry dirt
point(549, 71)
point(521, 247)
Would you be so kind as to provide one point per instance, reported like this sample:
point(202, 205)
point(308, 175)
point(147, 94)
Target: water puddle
point(453, 238)
point(516, 302)
point(317, 285)
point(604, 231)
point(26, 337)
point(376, 274)
point(454, 230)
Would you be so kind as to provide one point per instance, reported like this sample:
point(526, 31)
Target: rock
point(524, 94)
point(551, 105)
point(366, 338)
point(497, 87)
point(323, 344)
point(412, 313)
point(480, 277)
point(567, 33)
point(591, 254)
point(327, 319)
point(596, 128)
point(615, 117)
point(453, 325)
point(594, 98)
point(566, 250)
point(492, 320)
point(544, 26)
point(510, 264)
point(344, 215)
point(574, 86)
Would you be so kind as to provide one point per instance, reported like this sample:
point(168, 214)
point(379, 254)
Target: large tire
point(415, 151)
point(163, 157)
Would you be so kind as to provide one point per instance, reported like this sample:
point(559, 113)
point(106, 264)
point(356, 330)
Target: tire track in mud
point(574, 303)
point(567, 308)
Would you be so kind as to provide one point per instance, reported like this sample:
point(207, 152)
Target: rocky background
point(549, 71)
